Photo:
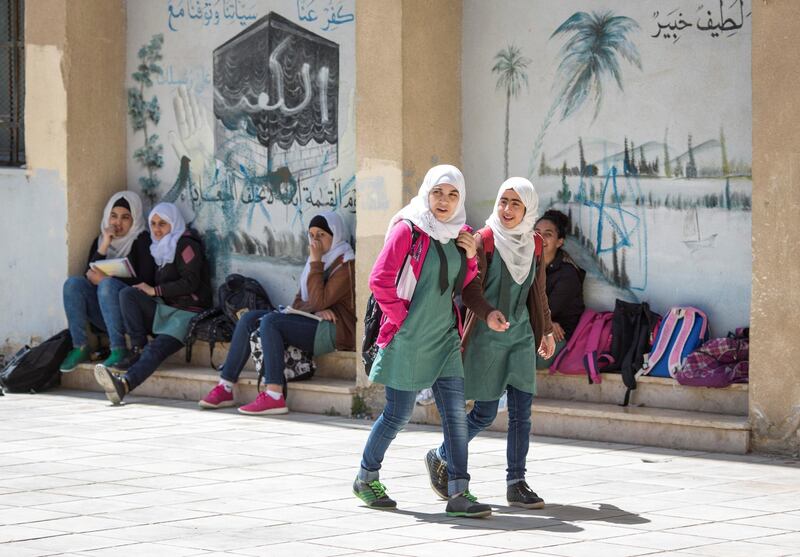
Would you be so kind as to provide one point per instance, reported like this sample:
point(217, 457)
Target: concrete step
point(336, 365)
point(653, 392)
point(675, 429)
point(319, 395)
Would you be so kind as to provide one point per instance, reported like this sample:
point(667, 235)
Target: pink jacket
point(394, 300)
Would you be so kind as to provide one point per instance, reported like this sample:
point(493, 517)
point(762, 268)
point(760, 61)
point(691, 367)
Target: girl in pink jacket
point(427, 258)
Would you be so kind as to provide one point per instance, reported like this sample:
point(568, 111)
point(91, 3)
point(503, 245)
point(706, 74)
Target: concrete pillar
point(408, 113)
point(774, 349)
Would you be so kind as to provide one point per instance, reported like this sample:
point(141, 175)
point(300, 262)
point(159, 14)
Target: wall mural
point(634, 119)
point(259, 127)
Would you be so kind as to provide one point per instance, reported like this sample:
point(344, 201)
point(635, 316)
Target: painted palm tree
point(510, 66)
point(589, 58)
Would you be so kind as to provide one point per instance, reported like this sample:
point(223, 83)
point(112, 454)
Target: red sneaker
point(265, 404)
point(219, 397)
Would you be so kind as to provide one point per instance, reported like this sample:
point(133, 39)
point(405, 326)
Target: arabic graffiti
point(205, 13)
point(330, 16)
point(729, 20)
point(195, 78)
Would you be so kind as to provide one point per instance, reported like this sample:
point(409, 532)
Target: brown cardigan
point(337, 294)
point(479, 308)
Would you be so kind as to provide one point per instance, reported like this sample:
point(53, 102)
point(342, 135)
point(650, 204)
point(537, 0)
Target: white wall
point(691, 82)
point(236, 181)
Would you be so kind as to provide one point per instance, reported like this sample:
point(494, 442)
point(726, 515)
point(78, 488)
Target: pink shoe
point(265, 404)
point(218, 397)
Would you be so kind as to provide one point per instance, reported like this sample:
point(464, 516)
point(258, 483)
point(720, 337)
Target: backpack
point(633, 327)
point(589, 345)
point(682, 331)
point(211, 326)
point(374, 314)
point(36, 369)
point(239, 294)
point(718, 363)
point(298, 365)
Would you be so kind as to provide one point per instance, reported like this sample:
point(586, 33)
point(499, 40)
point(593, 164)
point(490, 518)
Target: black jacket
point(186, 282)
point(139, 256)
point(565, 291)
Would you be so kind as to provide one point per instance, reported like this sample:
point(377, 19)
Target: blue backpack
point(682, 331)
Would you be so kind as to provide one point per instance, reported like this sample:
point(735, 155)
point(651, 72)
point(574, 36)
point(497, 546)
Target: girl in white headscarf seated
point(181, 288)
point(427, 258)
point(93, 299)
point(327, 290)
point(513, 276)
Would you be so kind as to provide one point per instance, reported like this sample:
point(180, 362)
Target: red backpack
point(588, 348)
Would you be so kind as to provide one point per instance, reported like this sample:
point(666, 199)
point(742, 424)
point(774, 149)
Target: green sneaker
point(373, 494)
point(466, 505)
point(117, 355)
point(76, 356)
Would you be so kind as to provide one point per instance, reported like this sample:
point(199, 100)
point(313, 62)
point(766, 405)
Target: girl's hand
point(146, 288)
point(547, 347)
point(497, 321)
point(558, 332)
point(95, 276)
point(326, 315)
point(466, 242)
point(105, 242)
point(315, 250)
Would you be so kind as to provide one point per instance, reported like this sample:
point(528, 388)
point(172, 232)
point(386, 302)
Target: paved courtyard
point(158, 477)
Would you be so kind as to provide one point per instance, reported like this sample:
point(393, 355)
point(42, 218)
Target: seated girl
point(164, 309)
point(93, 299)
point(564, 280)
point(326, 290)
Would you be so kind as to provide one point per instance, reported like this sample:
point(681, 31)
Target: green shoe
point(373, 494)
point(116, 356)
point(76, 356)
point(466, 505)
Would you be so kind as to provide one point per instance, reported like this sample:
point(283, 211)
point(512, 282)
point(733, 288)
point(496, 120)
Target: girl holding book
point(93, 299)
point(327, 292)
point(513, 277)
point(164, 308)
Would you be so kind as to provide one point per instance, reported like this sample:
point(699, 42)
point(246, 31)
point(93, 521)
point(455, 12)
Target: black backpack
point(211, 326)
point(239, 294)
point(36, 369)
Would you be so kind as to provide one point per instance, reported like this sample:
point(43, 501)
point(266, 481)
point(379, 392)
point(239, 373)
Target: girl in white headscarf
point(427, 258)
point(326, 296)
point(93, 299)
point(513, 277)
point(162, 308)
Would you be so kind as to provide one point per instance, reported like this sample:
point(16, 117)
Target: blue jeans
point(85, 304)
point(519, 430)
point(276, 331)
point(449, 395)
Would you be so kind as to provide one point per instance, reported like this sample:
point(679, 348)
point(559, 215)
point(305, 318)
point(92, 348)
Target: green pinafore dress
point(427, 346)
point(493, 360)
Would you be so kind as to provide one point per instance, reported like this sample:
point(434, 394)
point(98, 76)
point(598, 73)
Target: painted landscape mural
point(634, 118)
point(241, 112)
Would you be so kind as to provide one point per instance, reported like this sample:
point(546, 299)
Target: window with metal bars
point(12, 82)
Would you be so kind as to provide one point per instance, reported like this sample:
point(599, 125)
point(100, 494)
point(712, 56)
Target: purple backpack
point(718, 363)
point(589, 345)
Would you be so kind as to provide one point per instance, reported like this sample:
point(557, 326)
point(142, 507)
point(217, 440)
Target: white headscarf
point(419, 212)
point(339, 246)
point(163, 250)
point(121, 247)
point(516, 245)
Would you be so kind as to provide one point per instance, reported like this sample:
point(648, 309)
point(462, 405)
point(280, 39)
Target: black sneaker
point(437, 473)
point(115, 387)
point(521, 495)
point(466, 505)
point(125, 363)
point(373, 494)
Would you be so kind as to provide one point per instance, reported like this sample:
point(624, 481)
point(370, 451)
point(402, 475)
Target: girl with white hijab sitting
point(180, 290)
point(428, 257)
point(513, 276)
point(326, 290)
point(93, 299)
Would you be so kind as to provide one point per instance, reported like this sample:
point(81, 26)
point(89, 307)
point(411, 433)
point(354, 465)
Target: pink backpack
point(588, 348)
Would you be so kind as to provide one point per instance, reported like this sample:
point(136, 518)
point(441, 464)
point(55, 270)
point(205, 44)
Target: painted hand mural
point(194, 139)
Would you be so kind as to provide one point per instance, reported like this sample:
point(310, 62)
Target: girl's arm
point(542, 307)
point(472, 294)
point(383, 278)
point(324, 294)
point(190, 262)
